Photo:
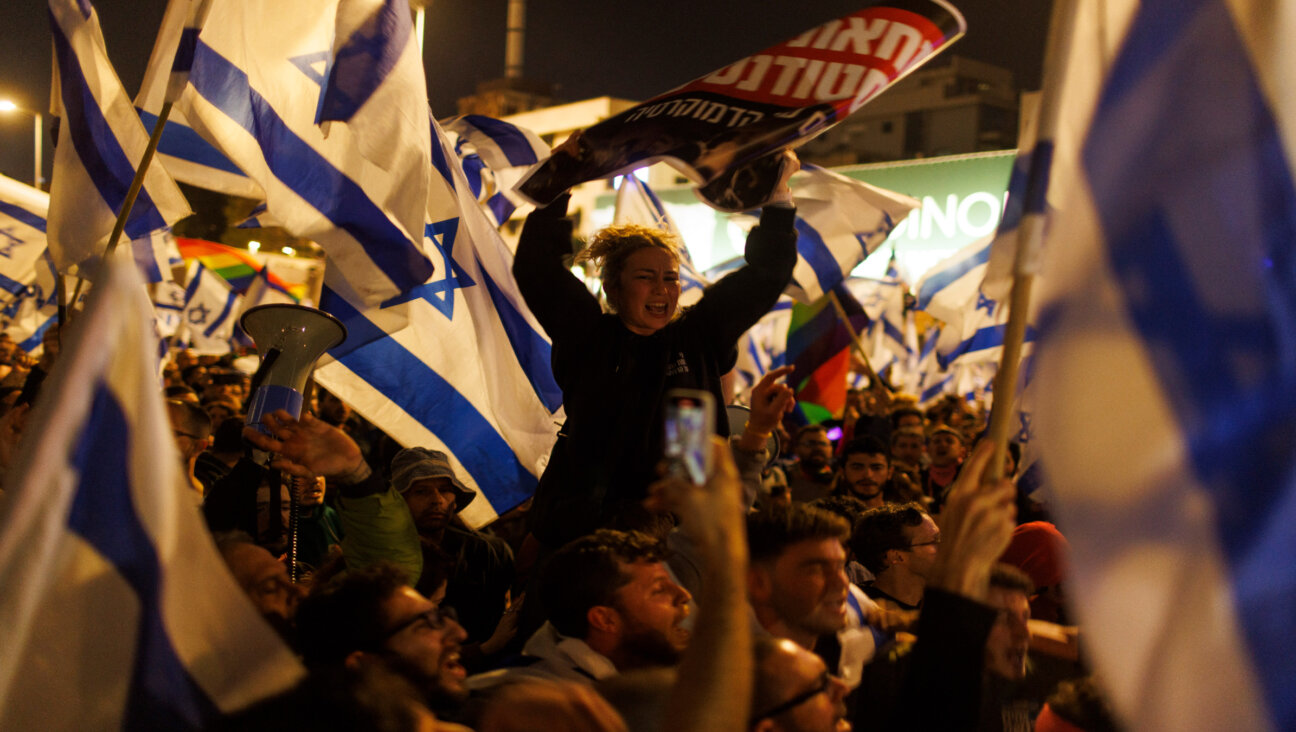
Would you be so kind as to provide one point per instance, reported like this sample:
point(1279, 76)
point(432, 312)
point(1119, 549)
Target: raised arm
point(737, 301)
point(376, 521)
point(562, 304)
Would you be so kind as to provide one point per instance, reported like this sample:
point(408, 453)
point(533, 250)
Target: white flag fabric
point(324, 105)
point(23, 211)
point(495, 155)
point(840, 221)
point(637, 204)
point(101, 142)
point(456, 363)
point(211, 309)
point(168, 306)
point(764, 346)
point(1166, 403)
point(182, 151)
point(118, 611)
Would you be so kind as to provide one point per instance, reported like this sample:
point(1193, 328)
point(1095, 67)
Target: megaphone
point(290, 339)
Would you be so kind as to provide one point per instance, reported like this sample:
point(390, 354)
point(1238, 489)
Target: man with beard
point(612, 607)
point(810, 476)
point(481, 566)
point(371, 618)
point(865, 470)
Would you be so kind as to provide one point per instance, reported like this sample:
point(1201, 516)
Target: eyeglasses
point(436, 619)
point(822, 685)
point(933, 542)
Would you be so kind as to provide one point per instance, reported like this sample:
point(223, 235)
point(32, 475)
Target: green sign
point(962, 199)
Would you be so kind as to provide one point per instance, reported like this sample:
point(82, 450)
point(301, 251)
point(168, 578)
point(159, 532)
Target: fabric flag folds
point(102, 142)
point(211, 308)
point(494, 155)
point(637, 204)
point(456, 363)
point(118, 611)
point(181, 150)
point(1166, 403)
point(23, 211)
point(324, 105)
point(840, 221)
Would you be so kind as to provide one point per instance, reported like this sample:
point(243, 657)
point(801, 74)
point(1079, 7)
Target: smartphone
point(690, 422)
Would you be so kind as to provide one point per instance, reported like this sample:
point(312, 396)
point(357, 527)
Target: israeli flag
point(1166, 409)
point(934, 381)
point(211, 308)
point(840, 221)
point(1026, 205)
point(168, 308)
point(456, 363)
point(181, 150)
point(324, 105)
point(764, 346)
point(101, 143)
point(637, 204)
point(118, 611)
point(27, 317)
point(22, 237)
point(494, 155)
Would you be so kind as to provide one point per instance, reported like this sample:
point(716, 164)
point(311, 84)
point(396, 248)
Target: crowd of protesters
point(865, 577)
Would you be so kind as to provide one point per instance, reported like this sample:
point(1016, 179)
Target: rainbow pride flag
point(236, 266)
point(818, 345)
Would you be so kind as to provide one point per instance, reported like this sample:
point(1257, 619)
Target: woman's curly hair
point(610, 247)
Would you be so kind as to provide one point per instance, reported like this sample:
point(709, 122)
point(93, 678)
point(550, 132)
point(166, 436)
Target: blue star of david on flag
point(440, 293)
point(985, 303)
point(198, 314)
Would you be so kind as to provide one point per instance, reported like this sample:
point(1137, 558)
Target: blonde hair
point(610, 247)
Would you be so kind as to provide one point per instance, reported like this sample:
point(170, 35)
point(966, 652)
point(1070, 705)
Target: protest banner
point(720, 130)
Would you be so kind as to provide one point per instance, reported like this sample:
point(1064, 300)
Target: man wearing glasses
point(372, 617)
point(899, 544)
point(794, 691)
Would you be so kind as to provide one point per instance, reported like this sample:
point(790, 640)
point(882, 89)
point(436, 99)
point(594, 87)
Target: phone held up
point(690, 422)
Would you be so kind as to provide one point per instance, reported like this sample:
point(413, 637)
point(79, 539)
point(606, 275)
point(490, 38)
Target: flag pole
point(874, 380)
point(1005, 382)
point(131, 194)
point(1029, 235)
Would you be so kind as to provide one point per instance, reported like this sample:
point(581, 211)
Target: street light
point(8, 106)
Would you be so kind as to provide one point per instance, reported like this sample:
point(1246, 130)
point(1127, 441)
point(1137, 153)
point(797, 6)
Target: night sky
point(588, 47)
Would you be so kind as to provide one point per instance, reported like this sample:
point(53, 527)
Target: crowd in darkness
point(857, 575)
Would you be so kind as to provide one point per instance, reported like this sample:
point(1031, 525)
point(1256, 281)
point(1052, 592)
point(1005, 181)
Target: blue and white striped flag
point(495, 155)
point(211, 309)
point(118, 612)
point(168, 308)
point(181, 150)
point(974, 323)
point(101, 143)
point(934, 381)
point(27, 317)
point(22, 237)
point(457, 363)
point(840, 221)
point(1166, 410)
point(637, 204)
point(324, 105)
point(764, 346)
point(1022, 223)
